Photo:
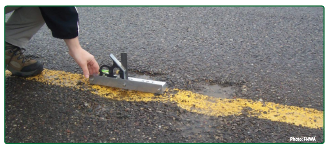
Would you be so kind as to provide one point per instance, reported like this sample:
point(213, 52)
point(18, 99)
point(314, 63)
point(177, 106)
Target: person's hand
point(86, 61)
point(83, 58)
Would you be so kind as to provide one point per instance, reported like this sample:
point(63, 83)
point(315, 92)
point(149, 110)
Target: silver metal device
point(107, 77)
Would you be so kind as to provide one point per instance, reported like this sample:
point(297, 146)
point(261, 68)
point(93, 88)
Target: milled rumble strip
point(191, 101)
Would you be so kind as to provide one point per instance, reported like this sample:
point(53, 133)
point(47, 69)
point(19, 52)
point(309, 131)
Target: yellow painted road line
point(194, 102)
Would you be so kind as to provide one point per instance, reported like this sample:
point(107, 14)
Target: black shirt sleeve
point(62, 21)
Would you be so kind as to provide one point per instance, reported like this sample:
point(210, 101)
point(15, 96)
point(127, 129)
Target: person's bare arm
point(84, 59)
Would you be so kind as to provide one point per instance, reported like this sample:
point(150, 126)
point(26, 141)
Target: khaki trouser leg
point(22, 24)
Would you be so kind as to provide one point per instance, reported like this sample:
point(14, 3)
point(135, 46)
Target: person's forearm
point(73, 44)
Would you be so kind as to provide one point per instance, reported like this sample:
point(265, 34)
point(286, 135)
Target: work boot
point(20, 65)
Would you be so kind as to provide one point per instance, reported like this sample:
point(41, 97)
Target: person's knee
point(9, 9)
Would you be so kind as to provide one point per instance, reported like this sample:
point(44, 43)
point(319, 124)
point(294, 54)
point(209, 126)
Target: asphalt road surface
point(267, 54)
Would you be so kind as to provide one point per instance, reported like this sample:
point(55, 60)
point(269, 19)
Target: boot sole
point(25, 74)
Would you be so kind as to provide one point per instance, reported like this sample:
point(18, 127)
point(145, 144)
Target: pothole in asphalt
point(218, 91)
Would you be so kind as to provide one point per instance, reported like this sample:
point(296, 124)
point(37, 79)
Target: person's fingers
point(93, 67)
point(91, 70)
point(85, 71)
point(87, 63)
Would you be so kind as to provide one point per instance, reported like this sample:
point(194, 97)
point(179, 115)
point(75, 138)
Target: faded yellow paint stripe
point(191, 101)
